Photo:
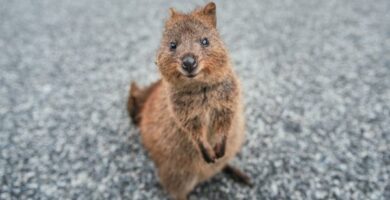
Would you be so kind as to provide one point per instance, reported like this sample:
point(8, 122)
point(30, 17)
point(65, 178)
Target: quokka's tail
point(137, 99)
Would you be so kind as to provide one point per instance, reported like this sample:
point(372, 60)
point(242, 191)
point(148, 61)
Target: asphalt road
point(316, 79)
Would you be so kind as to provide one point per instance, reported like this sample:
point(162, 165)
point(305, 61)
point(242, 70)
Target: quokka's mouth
point(191, 75)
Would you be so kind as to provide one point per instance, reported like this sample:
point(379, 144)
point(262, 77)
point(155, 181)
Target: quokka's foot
point(238, 175)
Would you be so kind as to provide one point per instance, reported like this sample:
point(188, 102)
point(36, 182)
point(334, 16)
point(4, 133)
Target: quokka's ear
point(210, 11)
point(172, 12)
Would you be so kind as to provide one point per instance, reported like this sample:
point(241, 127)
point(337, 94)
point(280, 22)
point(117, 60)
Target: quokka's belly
point(168, 146)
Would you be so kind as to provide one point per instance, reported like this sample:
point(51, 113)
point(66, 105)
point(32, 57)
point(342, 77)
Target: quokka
point(191, 121)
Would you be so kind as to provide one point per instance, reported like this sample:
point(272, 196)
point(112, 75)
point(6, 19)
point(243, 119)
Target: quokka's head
point(191, 49)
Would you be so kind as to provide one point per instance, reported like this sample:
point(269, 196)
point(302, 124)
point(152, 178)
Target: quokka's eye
point(172, 46)
point(205, 42)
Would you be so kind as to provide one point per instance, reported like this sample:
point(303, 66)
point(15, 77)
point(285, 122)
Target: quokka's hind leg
point(238, 175)
point(177, 183)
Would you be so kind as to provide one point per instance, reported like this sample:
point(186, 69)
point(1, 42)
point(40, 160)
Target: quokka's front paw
point(220, 147)
point(207, 152)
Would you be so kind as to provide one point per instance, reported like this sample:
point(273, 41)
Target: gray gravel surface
point(316, 79)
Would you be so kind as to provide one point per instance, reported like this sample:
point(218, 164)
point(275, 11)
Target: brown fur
point(191, 127)
point(137, 98)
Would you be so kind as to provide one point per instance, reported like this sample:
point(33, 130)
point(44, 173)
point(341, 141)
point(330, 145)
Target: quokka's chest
point(207, 96)
point(202, 102)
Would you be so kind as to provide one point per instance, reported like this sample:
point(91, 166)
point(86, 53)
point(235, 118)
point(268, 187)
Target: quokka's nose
point(189, 63)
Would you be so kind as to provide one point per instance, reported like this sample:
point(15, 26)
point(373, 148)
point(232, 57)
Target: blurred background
point(316, 80)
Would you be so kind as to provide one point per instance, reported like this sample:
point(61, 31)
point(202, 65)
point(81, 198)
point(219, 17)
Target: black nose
point(189, 63)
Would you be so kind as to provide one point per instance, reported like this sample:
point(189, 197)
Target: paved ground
point(316, 76)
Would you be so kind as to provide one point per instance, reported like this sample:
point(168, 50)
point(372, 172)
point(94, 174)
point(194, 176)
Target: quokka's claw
point(219, 148)
point(207, 153)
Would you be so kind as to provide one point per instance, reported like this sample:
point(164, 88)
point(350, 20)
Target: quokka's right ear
point(172, 12)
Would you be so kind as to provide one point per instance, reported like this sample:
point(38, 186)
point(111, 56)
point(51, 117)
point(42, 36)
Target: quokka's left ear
point(209, 12)
point(210, 9)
